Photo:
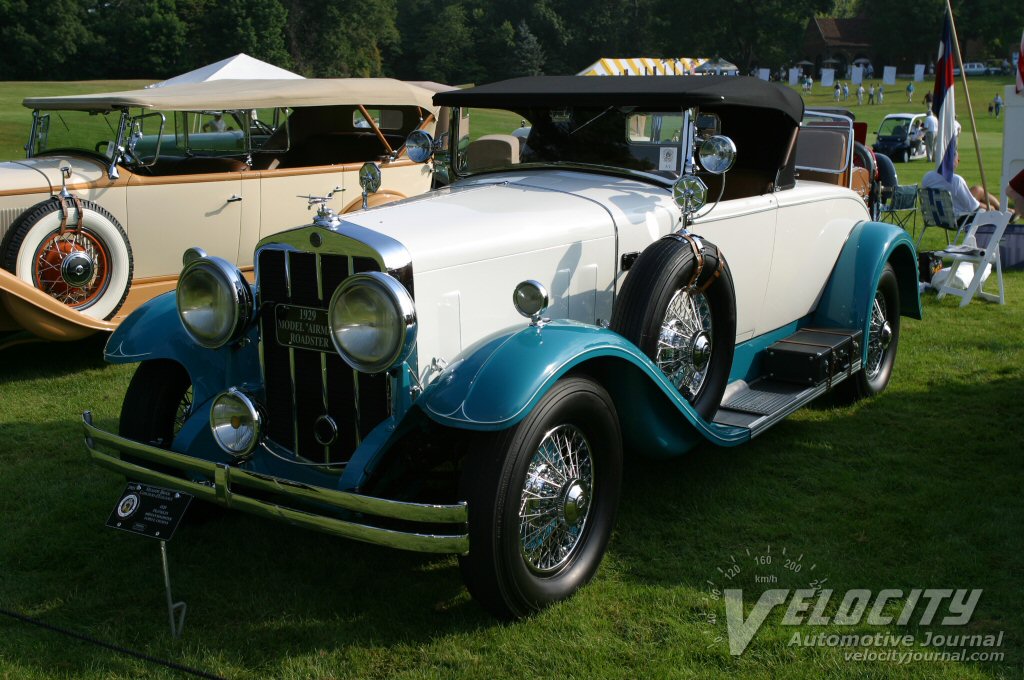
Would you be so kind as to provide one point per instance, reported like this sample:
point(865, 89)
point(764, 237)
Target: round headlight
point(214, 301)
point(717, 154)
point(372, 321)
point(530, 298)
point(235, 422)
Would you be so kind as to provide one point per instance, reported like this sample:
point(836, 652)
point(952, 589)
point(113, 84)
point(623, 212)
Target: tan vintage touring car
point(115, 186)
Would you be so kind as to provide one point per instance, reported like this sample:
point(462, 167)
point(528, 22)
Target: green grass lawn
point(918, 488)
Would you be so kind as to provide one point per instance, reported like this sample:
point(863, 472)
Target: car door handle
point(234, 199)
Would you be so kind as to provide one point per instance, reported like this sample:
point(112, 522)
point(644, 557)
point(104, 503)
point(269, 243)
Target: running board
point(765, 402)
point(798, 370)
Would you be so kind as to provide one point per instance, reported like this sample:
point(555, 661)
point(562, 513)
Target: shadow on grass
point(36, 360)
point(911, 489)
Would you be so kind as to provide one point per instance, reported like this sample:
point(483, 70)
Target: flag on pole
point(1020, 66)
point(942, 104)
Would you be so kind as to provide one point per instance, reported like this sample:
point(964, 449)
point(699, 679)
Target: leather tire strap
point(81, 212)
point(698, 253)
point(63, 215)
point(716, 275)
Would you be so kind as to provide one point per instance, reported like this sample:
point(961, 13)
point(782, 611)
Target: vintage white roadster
point(116, 185)
point(692, 265)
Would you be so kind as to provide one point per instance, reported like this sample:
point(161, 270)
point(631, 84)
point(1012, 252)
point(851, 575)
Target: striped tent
point(640, 66)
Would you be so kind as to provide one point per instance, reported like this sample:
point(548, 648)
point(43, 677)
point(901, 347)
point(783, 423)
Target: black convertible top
point(644, 91)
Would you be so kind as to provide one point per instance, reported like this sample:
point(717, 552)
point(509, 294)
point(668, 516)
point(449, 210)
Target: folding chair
point(937, 211)
point(968, 251)
point(901, 207)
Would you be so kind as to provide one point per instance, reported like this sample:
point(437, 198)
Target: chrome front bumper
point(224, 477)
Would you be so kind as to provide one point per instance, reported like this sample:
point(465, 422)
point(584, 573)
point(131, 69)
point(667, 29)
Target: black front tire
point(513, 567)
point(158, 400)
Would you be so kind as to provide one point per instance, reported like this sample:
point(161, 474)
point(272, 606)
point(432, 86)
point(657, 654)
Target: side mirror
point(690, 193)
point(369, 180)
point(420, 146)
point(717, 154)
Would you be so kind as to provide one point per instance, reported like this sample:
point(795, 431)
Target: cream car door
point(169, 214)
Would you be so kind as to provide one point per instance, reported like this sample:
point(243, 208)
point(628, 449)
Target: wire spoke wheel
point(879, 336)
point(678, 306)
point(685, 341)
point(539, 517)
point(183, 411)
point(881, 341)
point(73, 267)
point(555, 500)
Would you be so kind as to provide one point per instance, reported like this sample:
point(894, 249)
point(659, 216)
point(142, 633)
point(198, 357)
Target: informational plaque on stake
point(149, 511)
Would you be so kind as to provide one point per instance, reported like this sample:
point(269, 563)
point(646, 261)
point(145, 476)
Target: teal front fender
point(495, 383)
point(154, 331)
point(847, 298)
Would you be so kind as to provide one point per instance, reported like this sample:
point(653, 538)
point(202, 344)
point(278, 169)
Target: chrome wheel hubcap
point(684, 342)
point(556, 499)
point(77, 269)
point(879, 336)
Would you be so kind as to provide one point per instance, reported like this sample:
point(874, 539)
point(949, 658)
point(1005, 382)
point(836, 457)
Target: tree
point(48, 42)
point(340, 38)
point(228, 27)
point(750, 33)
point(153, 32)
point(529, 53)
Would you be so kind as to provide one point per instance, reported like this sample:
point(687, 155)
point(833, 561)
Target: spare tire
point(87, 265)
point(678, 305)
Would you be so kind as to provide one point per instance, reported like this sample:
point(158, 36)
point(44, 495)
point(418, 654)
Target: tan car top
point(248, 94)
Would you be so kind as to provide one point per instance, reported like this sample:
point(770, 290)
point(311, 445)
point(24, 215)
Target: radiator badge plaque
point(302, 327)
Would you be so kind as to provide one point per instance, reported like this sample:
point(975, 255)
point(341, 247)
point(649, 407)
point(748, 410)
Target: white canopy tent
point(239, 67)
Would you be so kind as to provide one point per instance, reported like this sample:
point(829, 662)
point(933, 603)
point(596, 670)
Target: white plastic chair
point(968, 251)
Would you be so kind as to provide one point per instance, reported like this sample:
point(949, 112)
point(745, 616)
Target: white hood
point(509, 214)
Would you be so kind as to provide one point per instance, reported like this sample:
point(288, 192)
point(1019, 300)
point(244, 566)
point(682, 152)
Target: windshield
point(611, 138)
point(75, 131)
point(894, 127)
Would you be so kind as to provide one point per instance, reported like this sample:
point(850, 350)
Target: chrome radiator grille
point(303, 385)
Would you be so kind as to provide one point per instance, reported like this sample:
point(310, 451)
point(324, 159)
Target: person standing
point(931, 126)
point(928, 100)
point(910, 92)
point(881, 93)
point(836, 91)
point(860, 94)
point(846, 92)
point(871, 94)
point(998, 104)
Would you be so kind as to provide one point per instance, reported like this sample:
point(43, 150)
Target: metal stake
point(179, 608)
